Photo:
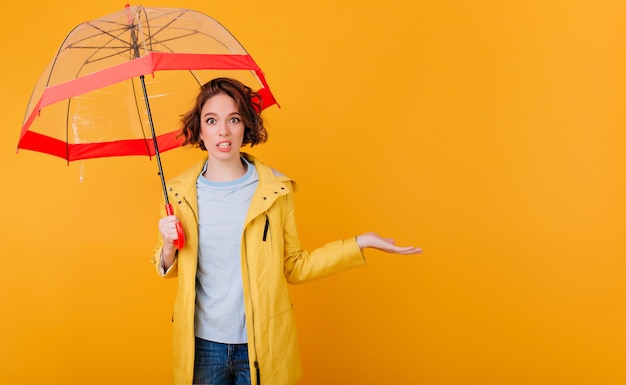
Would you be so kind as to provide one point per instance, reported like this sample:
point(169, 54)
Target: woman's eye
point(235, 120)
point(210, 121)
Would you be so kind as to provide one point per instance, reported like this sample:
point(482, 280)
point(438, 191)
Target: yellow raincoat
point(271, 257)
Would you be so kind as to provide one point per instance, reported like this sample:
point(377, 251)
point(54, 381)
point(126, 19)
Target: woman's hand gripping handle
point(179, 242)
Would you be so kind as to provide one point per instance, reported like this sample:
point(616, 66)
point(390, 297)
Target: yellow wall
point(491, 133)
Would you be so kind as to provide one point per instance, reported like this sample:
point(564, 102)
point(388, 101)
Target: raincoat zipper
point(256, 362)
point(267, 225)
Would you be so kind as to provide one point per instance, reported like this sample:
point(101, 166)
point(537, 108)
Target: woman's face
point(221, 127)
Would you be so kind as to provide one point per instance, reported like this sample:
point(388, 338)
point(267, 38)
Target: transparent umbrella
point(118, 84)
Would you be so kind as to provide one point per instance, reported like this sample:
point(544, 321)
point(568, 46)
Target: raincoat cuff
point(352, 244)
point(161, 269)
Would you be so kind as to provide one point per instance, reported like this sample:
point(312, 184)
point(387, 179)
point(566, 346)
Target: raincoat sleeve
point(302, 266)
point(156, 258)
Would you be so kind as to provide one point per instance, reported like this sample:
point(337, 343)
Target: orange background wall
point(490, 133)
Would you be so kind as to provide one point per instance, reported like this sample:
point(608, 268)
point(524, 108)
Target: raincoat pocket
point(282, 333)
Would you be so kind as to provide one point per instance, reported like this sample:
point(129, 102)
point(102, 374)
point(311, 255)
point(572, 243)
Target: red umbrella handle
point(180, 242)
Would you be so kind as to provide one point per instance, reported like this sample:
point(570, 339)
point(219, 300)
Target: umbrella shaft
point(154, 137)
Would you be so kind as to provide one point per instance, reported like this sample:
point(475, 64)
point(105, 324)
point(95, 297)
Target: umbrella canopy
point(90, 101)
point(118, 85)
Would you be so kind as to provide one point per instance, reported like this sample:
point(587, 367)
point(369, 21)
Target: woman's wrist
point(361, 241)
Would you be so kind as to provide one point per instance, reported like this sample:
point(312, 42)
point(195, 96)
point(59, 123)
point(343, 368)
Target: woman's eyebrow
point(215, 113)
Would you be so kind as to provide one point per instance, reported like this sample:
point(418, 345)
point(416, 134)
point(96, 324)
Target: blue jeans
point(221, 364)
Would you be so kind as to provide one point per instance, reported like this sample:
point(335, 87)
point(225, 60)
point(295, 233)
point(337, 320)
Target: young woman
point(233, 321)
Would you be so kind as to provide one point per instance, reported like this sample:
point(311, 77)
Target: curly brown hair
point(248, 102)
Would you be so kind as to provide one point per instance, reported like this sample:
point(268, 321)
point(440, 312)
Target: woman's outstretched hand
point(388, 245)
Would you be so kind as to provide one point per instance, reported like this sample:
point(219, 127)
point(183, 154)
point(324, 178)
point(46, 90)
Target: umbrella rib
point(190, 32)
point(151, 36)
point(101, 31)
point(67, 130)
point(121, 50)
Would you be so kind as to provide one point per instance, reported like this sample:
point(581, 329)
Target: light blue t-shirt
point(222, 209)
